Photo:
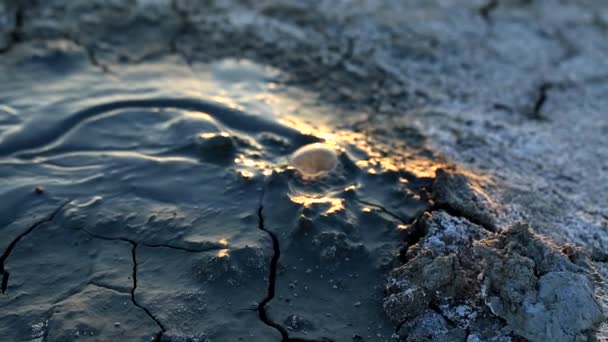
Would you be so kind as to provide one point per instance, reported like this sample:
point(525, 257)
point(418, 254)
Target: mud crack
point(185, 25)
point(158, 323)
point(543, 89)
point(414, 233)
point(93, 59)
point(485, 11)
point(134, 244)
point(539, 102)
point(272, 277)
point(15, 35)
point(5, 274)
point(386, 211)
point(90, 55)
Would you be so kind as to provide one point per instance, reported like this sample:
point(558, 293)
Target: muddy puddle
point(157, 201)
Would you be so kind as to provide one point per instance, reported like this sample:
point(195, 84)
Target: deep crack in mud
point(134, 245)
point(160, 325)
point(541, 98)
point(272, 276)
point(7, 252)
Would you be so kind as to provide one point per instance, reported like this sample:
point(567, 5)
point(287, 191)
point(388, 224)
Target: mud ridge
point(227, 116)
point(5, 274)
point(458, 213)
point(417, 230)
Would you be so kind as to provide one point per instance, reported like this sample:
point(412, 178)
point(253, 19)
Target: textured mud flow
point(47, 139)
point(3, 272)
point(272, 276)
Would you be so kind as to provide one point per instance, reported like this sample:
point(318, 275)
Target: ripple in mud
point(186, 214)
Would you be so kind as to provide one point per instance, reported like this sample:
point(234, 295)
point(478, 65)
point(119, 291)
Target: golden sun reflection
point(376, 157)
point(259, 164)
point(245, 174)
point(213, 134)
point(352, 187)
point(227, 101)
point(319, 132)
point(250, 166)
point(224, 251)
point(335, 204)
point(422, 167)
point(199, 116)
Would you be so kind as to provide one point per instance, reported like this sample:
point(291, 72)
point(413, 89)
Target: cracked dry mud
point(145, 192)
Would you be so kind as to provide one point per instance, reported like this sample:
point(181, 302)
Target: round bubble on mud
point(314, 160)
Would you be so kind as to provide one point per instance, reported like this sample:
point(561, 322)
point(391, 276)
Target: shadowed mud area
point(147, 191)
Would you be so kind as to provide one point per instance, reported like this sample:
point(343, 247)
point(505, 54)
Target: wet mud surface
point(187, 212)
point(149, 190)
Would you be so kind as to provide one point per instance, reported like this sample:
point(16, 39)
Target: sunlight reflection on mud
point(334, 204)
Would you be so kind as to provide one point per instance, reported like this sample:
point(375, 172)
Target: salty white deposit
point(314, 160)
